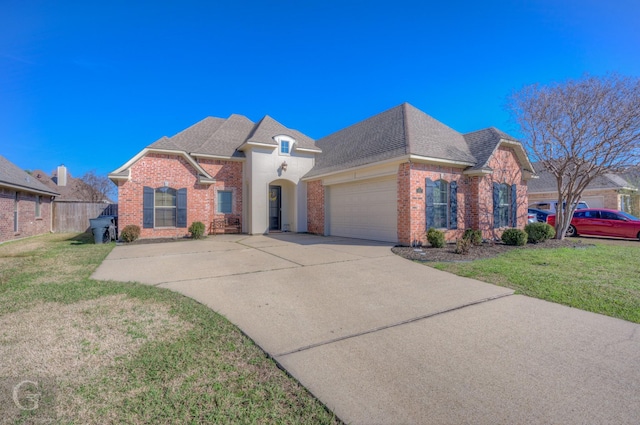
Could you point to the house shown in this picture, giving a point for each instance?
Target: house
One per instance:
(387, 178)
(25, 203)
(77, 201)
(613, 191)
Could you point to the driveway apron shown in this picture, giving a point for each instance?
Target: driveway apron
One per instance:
(380, 339)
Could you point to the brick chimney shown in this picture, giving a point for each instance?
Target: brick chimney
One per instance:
(62, 175)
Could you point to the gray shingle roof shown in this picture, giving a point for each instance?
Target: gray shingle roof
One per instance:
(546, 182)
(11, 174)
(267, 128)
(223, 137)
(403, 130)
(483, 143)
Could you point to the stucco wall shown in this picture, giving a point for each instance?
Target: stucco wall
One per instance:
(266, 169)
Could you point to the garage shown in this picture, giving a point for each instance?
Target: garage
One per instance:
(594, 201)
(364, 210)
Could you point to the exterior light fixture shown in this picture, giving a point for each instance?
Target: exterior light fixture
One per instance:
(419, 190)
(284, 165)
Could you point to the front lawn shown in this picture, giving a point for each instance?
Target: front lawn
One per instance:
(129, 353)
(602, 278)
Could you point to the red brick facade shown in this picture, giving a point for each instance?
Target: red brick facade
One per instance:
(157, 170)
(315, 207)
(474, 196)
(28, 223)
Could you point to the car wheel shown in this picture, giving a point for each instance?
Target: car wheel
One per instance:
(638, 235)
(571, 231)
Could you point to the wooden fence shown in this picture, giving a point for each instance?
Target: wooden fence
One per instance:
(74, 216)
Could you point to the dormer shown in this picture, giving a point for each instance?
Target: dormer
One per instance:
(285, 144)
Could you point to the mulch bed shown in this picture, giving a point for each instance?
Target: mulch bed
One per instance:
(486, 250)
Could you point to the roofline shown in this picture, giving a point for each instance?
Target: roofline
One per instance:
(439, 161)
(515, 144)
(222, 157)
(146, 151)
(399, 160)
(257, 144)
(306, 149)
(27, 189)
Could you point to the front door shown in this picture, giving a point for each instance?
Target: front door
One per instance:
(275, 205)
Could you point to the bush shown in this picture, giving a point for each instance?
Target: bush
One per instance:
(463, 246)
(473, 236)
(435, 238)
(130, 233)
(514, 237)
(196, 229)
(539, 232)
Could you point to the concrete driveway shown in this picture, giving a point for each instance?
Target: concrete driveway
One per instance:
(380, 339)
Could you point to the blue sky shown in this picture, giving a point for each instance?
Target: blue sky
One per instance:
(90, 84)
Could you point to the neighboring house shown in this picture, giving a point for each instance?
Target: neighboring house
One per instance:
(77, 202)
(611, 191)
(71, 189)
(387, 178)
(25, 203)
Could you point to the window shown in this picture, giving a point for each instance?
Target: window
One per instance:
(442, 204)
(285, 144)
(164, 207)
(38, 200)
(625, 203)
(610, 216)
(504, 205)
(15, 212)
(225, 202)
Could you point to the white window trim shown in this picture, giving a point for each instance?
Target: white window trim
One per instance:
(217, 203)
(284, 138)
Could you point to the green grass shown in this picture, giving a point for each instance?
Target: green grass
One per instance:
(149, 355)
(603, 279)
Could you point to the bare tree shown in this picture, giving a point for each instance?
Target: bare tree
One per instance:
(95, 188)
(579, 130)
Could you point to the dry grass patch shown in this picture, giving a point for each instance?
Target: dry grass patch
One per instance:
(77, 340)
(131, 353)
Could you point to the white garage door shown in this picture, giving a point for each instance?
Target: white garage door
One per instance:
(594, 201)
(365, 210)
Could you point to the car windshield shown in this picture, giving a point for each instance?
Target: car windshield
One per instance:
(629, 216)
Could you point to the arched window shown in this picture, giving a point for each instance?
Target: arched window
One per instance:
(504, 205)
(165, 207)
(442, 204)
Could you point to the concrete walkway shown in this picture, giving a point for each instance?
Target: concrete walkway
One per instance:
(380, 339)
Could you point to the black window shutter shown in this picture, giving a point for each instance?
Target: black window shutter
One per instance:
(514, 205)
(453, 205)
(429, 187)
(496, 205)
(181, 205)
(147, 208)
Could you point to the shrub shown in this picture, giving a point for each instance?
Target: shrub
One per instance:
(473, 236)
(196, 229)
(539, 232)
(435, 238)
(463, 246)
(130, 233)
(514, 237)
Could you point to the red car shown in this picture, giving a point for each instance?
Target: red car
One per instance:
(599, 222)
